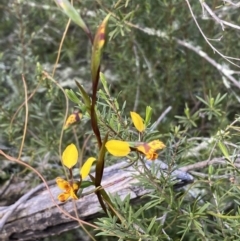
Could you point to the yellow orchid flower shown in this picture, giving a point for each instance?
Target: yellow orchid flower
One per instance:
(137, 121)
(149, 149)
(123, 148)
(69, 159)
(70, 189)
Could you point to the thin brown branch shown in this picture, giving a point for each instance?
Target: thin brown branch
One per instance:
(204, 55)
(206, 163)
(205, 38)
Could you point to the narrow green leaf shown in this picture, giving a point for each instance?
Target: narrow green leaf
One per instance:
(104, 82)
(148, 115)
(218, 215)
(72, 96)
(72, 13)
(85, 184)
(224, 150)
(202, 100)
(151, 224)
(111, 206)
(85, 97)
(203, 208)
(210, 170)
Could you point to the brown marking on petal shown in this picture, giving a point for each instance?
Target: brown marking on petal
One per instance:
(144, 148)
(154, 156)
(151, 155)
(62, 184)
(78, 116)
(100, 36)
(62, 197)
(73, 118)
(101, 29)
(101, 40)
(67, 187)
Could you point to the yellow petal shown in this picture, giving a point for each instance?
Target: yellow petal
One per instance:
(149, 149)
(75, 186)
(73, 194)
(151, 155)
(62, 197)
(137, 121)
(144, 148)
(156, 145)
(118, 148)
(63, 184)
(70, 156)
(87, 167)
(73, 118)
(149, 152)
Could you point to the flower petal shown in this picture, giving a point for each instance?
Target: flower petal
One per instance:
(75, 186)
(149, 152)
(156, 145)
(62, 197)
(70, 156)
(149, 149)
(63, 184)
(137, 121)
(118, 148)
(73, 118)
(87, 167)
(73, 194)
(151, 155)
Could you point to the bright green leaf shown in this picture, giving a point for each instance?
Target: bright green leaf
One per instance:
(85, 96)
(148, 115)
(72, 13)
(224, 150)
(85, 184)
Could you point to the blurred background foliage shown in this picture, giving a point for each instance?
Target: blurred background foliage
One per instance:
(148, 69)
